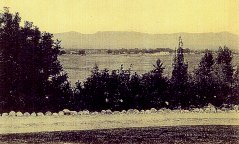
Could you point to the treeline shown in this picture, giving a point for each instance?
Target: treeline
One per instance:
(32, 78)
(213, 82)
(121, 51)
(142, 51)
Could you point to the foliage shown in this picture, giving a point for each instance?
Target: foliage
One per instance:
(28, 60)
(32, 78)
(121, 89)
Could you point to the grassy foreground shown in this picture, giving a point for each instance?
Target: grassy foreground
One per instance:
(165, 134)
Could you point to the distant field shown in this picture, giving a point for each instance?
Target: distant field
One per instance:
(169, 134)
(79, 67)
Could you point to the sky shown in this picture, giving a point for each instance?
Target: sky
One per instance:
(147, 16)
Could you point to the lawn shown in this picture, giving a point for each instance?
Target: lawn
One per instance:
(165, 134)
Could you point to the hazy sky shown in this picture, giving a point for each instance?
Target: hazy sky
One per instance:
(150, 16)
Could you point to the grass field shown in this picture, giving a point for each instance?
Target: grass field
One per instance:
(79, 67)
(166, 134)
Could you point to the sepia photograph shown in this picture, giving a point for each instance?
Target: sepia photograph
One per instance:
(119, 71)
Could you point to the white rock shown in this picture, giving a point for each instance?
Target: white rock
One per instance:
(94, 113)
(160, 111)
(66, 110)
(48, 113)
(167, 111)
(108, 111)
(55, 114)
(85, 112)
(26, 114)
(147, 112)
(19, 114)
(201, 110)
(103, 112)
(40, 114)
(123, 112)
(80, 113)
(224, 109)
(73, 112)
(136, 111)
(4, 114)
(116, 112)
(196, 110)
(176, 111)
(130, 111)
(34, 114)
(236, 107)
(153, 110)
(219, 111)
(60, 113)
(12, 113)
(142, 112)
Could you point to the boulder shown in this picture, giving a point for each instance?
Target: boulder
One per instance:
(123, 112)
(108, 111)
(12, 113)
(4, 114)
(19, 114)
(85, 112)
(130, 111)
(33, 114)
(153, 110)
(48, 113)
(147, 112)
(55, 114)
(103, 112)
(66, 112)
(61, 113)
(185, 111)
(40, 114)
(73, 112)
(26, 114)
(94, 113)
(116, 112)
(142, 112)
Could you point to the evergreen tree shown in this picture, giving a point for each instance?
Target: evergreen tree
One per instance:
(155, 87)
(205, 84)
(223, 74)
(224, 68)
(179, 80)
(180, 68)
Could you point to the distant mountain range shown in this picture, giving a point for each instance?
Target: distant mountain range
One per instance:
(129, 40)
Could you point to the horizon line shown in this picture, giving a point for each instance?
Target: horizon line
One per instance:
(148, 33)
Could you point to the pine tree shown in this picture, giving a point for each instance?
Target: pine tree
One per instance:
(224, 68)
(179, 79)
(180, 68)
(205, 84)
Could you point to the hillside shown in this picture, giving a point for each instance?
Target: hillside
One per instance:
(117, 40)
